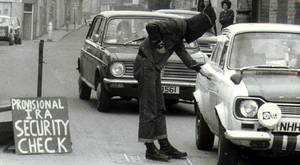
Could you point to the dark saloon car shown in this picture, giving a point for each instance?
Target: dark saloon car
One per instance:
(106, 61)
(10, 30)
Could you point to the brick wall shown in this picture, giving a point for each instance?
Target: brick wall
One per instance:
(264, 10)
(279, 11)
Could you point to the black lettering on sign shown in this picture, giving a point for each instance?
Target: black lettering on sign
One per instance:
(41, 125)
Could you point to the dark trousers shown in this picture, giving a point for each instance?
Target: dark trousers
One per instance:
(152, 122)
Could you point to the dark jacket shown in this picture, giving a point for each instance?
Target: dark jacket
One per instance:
(171, 33)
(226, 18)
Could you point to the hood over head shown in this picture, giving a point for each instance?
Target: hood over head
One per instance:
(197, 26)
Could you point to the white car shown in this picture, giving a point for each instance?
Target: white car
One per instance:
(248, 93)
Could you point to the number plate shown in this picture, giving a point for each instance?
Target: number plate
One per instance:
(170, 89)
(288, 126)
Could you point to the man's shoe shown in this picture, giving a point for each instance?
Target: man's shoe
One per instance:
(156, 155)
(173, 152)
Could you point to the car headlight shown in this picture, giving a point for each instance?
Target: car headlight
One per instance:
(212, 46)
(249, 108)
(117, 69)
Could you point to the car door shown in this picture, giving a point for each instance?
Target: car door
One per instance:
(89, 59)
(205, 86)
(214, 81)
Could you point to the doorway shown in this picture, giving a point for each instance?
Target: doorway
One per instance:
(28, 21)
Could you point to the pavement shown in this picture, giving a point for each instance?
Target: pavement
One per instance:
(59, 34)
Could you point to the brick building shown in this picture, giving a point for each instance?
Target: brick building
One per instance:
(276, 11)
(271, 11)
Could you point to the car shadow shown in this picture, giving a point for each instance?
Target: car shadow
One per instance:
(131, 107)
(4, 43)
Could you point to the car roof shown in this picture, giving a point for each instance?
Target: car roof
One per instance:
(121, 13)
(179, 11)
(261, 27)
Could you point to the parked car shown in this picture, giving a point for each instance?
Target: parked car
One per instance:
(248, 93)
(10, 30)
(207, 41)
(106, 61)
(6, 32)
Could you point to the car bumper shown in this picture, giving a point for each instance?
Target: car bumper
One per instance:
(276, 142)
(247, 135)
(4, 38)
(129, 88)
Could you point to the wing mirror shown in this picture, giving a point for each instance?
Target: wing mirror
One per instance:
(236, 78)
(96, 37)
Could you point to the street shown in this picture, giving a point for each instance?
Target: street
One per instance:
(98, 138)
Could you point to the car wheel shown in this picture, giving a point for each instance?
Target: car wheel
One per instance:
(103, 99)
(11, 42)
(227, 151)
(18, 41)
(204, 137)
(84, 90)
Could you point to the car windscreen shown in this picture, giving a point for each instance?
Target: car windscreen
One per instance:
(122, 30)
(4, 21)
(269, 49)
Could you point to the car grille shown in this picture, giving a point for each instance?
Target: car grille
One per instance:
(172, 71)
(290, 109)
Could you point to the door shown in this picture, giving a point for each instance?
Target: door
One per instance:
(89, 53)
(213, 85)
(28, 22)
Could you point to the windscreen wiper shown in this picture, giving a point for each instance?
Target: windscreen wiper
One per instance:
(134, 40)
(263, 67)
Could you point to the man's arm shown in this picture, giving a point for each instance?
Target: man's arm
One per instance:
(186, 58)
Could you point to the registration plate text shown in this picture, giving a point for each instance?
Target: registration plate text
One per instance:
(170, 89)
(288, 127)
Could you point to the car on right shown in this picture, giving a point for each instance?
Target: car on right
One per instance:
(248, 93)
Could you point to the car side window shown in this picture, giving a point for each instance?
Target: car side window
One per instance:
(101, 28)
(94, 28)
(215, 52)
(223, 56)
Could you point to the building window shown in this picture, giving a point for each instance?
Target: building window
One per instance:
(28, 7)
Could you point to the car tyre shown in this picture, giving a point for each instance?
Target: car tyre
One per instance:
(204, 137)
(103, 99)
(18, 41)
(84, 90)
(11, 42)
(227, 151)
